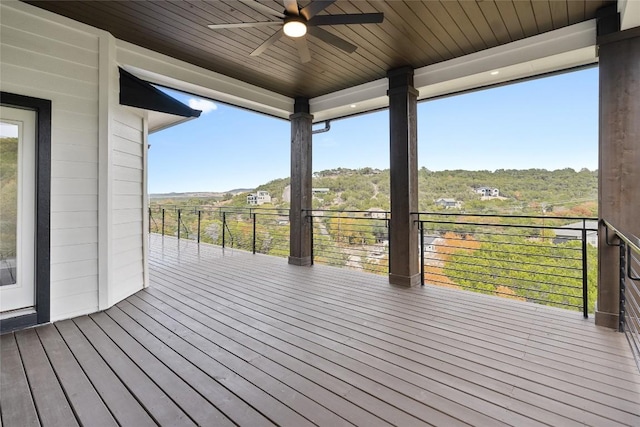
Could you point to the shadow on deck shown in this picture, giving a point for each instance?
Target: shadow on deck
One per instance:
(224, 338)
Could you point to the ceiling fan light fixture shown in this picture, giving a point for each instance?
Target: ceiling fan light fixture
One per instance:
(294, 27)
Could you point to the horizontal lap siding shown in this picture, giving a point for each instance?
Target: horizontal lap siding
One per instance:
(45, 59)
(127, 275)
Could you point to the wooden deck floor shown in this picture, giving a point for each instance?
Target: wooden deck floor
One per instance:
(238, 339)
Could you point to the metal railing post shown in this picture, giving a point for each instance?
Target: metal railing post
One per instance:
(163, 221)
(224, 226)
(199, 215)
(254, 233)
(179, 222)
(623, 296)
(585, 278)
(386, 224)
(421, 253)
(150, 218)
(311, 233)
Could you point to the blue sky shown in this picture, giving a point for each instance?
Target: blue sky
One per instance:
(549, 123)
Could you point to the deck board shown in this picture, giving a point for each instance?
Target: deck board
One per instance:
(191, 363)
(224, 337)
(51, 404)
(420, 363)
(155, 400)
(85, 401)
(205, 325)
(16, 401)
(121, 403)
(189, 400)
(559, 420)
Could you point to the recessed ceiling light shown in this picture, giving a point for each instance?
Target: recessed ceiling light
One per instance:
(495, 73)
(352, 105)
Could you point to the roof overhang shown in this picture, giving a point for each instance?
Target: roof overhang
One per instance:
(629, 14)
(163, 111)
(550, 52)
(158, 121)
(173, 73)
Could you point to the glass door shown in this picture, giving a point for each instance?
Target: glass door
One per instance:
(17, 211)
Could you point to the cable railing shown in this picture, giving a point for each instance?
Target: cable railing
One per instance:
(528, 258)
(256, 230)
(354, 239)
(629, 267)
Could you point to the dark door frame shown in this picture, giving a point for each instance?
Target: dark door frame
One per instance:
(42, 264)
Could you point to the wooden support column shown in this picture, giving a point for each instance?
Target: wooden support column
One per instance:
(619, 156)
(403, 232)
(300, 227)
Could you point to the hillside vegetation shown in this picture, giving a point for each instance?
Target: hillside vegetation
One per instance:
(8, 196)
(564, 192)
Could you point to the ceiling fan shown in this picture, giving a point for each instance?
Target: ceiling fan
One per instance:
(297, 22)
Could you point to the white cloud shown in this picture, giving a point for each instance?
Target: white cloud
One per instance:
(202, 105)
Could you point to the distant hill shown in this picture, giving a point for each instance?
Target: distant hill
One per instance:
(531, 191)
(199, 194)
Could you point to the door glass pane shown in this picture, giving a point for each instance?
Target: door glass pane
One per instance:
(8, 202)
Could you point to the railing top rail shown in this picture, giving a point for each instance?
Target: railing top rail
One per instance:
(344, 211)
(635, 246)
(572, 218)
(545, 227)
(217, 208)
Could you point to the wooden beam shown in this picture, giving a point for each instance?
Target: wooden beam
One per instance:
(300, 228)
(619, 150)
(403, 127)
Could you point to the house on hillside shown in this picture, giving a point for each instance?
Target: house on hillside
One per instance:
(431, 243)
(488, 191)
(319, 190)
(259, 198)
(573, 231)
(449, 203)
(376, 213)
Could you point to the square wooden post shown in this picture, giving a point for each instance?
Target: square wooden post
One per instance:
(403, 126)
(619, 155)
(300, 227)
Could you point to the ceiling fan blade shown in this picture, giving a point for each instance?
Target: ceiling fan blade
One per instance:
(315, 7)
(291, 7)
(271, 40)
(303, 49)
(356, 18)
(244, 25)
(332, 39)
(262, 8)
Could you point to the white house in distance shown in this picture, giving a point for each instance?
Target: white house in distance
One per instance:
(319, 190)
(573, 232)
(259, 198)
(376, 213)
(448, 203)
(488, 191)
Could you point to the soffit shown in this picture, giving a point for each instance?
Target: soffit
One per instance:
(416, 33)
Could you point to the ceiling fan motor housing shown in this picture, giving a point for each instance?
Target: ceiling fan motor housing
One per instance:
(295, 26)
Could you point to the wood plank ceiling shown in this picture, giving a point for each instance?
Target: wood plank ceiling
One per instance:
(416, 33)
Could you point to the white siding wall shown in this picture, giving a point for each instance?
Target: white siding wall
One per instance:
(128, 147)
(47, 56)
(44, 59)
